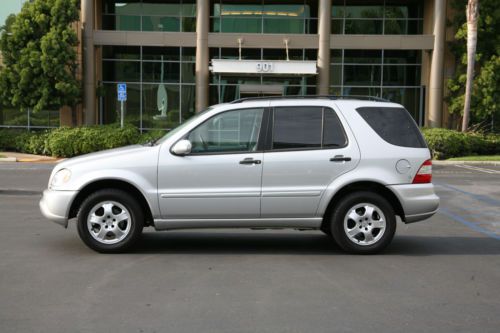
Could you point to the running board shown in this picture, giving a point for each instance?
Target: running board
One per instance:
(265, 223)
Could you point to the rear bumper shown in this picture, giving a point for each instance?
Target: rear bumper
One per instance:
(419, 201)
(55, 205)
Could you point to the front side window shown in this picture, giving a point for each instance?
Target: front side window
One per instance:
(232, 131)
(307, 128)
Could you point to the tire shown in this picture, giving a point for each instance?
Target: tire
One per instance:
(363, 223)
(110, 221)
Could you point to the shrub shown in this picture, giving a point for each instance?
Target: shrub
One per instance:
(446, 143)
(8, 139)
(68, 142)
(151, 135)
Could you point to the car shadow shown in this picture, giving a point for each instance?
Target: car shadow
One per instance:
(295, 243)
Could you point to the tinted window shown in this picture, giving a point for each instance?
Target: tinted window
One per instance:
(394, 125)
(297, 127)
(233, 131)
(333, 133)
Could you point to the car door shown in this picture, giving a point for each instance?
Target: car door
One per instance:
(221, 177)
(307, 149)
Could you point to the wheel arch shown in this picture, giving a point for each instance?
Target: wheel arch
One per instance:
(114, 184)
(363, 186)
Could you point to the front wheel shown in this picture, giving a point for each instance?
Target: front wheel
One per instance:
(110, 221)
(363, 222)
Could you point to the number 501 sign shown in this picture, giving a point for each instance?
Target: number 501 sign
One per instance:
(265, 67)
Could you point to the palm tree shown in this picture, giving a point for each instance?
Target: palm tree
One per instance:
(472, 13)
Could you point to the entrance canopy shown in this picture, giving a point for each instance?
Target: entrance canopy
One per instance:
(271, 67)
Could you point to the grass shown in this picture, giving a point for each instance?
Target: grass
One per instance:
(476, 158)
(2, 156)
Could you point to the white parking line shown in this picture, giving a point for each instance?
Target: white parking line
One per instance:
(475, 168)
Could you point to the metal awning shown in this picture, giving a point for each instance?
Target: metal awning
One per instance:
(271, 67)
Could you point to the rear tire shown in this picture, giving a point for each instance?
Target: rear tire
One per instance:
(110, 221)
(363, 222)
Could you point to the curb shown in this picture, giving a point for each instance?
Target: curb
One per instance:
(8, 159)
(38, 160)
(436, 162)
(8, 191)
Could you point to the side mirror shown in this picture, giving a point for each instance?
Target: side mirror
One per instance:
(182, 148)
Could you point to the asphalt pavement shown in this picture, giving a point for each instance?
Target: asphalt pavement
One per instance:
(441, 275)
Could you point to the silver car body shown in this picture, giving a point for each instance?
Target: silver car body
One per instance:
(290, 189)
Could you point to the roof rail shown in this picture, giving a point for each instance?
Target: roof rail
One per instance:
(330, 97)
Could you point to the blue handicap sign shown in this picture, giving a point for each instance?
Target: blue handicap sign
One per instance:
(122, 92)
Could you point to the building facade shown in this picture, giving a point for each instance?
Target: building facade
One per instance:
(179, 56)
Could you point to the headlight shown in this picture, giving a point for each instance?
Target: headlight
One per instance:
(60, 178)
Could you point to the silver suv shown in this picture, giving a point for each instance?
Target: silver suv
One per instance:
(346, 167)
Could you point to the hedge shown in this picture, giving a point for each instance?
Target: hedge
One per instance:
(446, 143)
(68, 142)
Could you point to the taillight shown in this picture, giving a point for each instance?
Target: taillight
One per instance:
(424, 174)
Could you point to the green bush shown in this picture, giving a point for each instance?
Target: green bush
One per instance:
(151, 135)
(68, 142)
(8, 139)
(446, 143)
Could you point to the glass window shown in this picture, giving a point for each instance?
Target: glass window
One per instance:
(129, 71)
(187, 101)
(335, 75)
(409, 97)
(362, 56)
(112, 110)
(297, 127)
(402, 75)
(161, 23)
(365, 9)
(333, 132)
(161, 53)
(268, 16)
(362, 75)
(402, 56)
(363, 27)
(232, 131)
(393, 125)
(158, 112)
(121, 52)
(152, 71)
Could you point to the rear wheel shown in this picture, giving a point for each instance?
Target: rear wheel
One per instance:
(363, 222)
(110, 221)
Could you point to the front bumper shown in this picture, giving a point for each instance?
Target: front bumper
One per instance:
(55, 205)
(419, 201)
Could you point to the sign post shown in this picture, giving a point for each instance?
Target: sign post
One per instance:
(122, 97)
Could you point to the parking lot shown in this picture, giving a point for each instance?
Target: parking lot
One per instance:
(441, 275)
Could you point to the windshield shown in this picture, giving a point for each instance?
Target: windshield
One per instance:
(181, 126)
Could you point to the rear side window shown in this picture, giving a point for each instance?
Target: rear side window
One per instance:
(307, 127)
(297, 127)
(333, 132)
(394, 125)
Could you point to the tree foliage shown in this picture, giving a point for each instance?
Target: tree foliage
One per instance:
(486, 89)
(40, 56)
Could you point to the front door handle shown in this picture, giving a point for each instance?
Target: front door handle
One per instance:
(340, 158)
(250, 160)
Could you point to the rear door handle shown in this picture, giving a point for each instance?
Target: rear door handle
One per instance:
(340, 158)
(250, 160)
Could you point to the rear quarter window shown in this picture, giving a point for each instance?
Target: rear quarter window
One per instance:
(394, 125)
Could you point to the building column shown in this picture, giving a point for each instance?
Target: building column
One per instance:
(324, 32)
(435, 115)
(202, 53)
(87, 9)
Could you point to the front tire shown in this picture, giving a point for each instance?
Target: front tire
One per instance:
(110, 221)
(363, 223)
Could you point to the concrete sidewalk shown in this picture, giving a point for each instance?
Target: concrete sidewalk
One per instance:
(20, 157)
